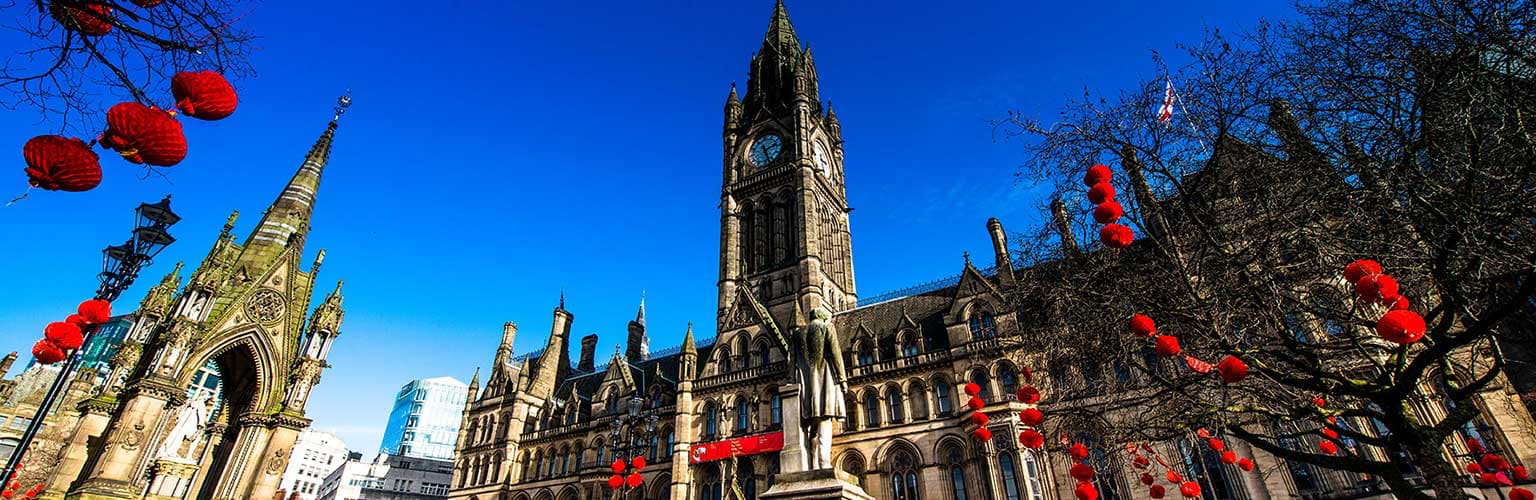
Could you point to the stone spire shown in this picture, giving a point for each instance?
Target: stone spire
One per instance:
(688, 346)
(639, 345)
(499, 370)
(732, 108)
(781, 33)
(474, 387)
(690, 357)
(158, 301)
(286, 221)
(778, 68)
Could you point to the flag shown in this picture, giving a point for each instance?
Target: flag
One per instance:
(1165, 112)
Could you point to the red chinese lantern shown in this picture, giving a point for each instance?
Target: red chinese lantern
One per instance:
(1403, 327)
(1376, 288)
(1031, 417)
(1360, 268)
(1147, 479)
(58, 163)
(1086, 491)
(976, 404)
(1232, 370)
(1078, 451)
(983, 434)
(1520, 473)
(1156, 491)
(1397, 303)
(1174, 477)
(971, 389)
(1318, 400)
(95, 311)
(1487, 478)
(615, 482)
(1190, 489)
(1332, 434)
(1197, 365)
(89, 19)
(46, 352)
(1097, 174)
(639, 463)
(1227, 457)
(1245, 464)
(1141, 462)
(64, 335)
(1167, 346)
(1116, 236)
(142, 134)
(204, 95)
(617, 466)
(1521, 494)
(1028, 395)
(980, 418)
(1108, 212)
(1327, 447)
(77, 320)
(1216, 444)
(1493, 462)
(1100, 193)
(1031, 439)
(1474, 468)
(1082, 472)
(1143, 325)
(1474, 445)
(633, 480)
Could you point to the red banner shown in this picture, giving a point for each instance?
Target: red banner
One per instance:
(738, 447)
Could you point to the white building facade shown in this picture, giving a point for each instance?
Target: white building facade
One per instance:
(315, 455)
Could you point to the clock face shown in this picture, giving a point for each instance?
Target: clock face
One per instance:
(823, 161)
(765, 150)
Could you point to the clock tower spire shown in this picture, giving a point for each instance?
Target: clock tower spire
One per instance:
(784, 211)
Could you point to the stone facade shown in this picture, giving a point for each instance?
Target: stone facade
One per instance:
(537, 429)
(243, 309)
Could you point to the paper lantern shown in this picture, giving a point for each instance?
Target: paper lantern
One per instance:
(77, 320)
(142, 134)
(1398, 303)
(1031, 439)
(1097, 174)
(1487, 479)
(1403, 327)
(1332, 434)
(638, 462)
(1156, 491)
(1519, 473)
(204, 95)
(615, 482)
(1232, 369)
(1100, 193)
(1245, 464)
(1116, 236)
(95, 311)
(1197, 365)
(1333, 420)
(1086, 491)
(1028, 395)
(617, 466)
(1327, 447)
(1360, 268)
(59, 163)
(1108, 212)
(976, 404)
(1031, 417)
(46, 352)
(1143, 325)
(83, 18)
(1190, 489)
(1376, 288)
(1216, 444)
(1174, 477)
(1493, 462)
(979, 418)
(1228, 457)
(64, 335)
(1082, 472)
(1147, 479)
(1140, 462)
(633, 480)
(983, 434)
(1474, 445)
(971, 389)
(1078, 451)
(1474, 468)
(1521, 494)
(1167, 346)
(1318, 400)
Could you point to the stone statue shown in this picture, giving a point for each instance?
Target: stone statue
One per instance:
(189, 421)
(818, 366)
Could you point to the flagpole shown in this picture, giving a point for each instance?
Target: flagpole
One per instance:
(1195, 131)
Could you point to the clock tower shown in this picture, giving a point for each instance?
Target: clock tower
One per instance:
(783, 207)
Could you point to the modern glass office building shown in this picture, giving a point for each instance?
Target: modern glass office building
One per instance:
(425, 420)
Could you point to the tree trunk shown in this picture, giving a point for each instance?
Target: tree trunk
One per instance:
(1439, 472)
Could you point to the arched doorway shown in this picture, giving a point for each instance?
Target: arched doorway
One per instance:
(238, 380)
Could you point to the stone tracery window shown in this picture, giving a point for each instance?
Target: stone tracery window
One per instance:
(904, 484)
(954, 459)
(982, 324)
(872, 409)
(942, 397)
(893, 400)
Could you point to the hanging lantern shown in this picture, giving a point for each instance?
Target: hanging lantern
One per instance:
(1328, 448)
(1100, 193)
(1028, 395)
(1376, 288)
(1216, 444)
(1397, 303)
(1141, 462)
(77, 320)
(1228, 457)
(95, 311)
(1519, 473)
(1097, 174)
(1031, 439)
(976, 404)
(1082, 472)
(46, 352)
(633, 480)
(1245, 464)
(1142, 325)
(1474, 468)
(58, 163)
(1031, 417)
(979, 418)
(617, 466)
(1475, 445)
(1116, 236)
(1521, 494)
(1174, 477)
(971, 389)
(64, 335)
(1108, 212)
(1232, 369)
(147, 3)
(204, 95)
(1330, 433)
(1147, 479)
(1190, 489)
(142, 134)
(89, 19)
(1360, 268)
(1167, 346)
(1086, 491)
(1318, 401)
(1156, 491)
(615, 482)
(1403, 327)
(638, 462)
(1487, 479)
(1493, 462)
(983, 434)
(1078, 451)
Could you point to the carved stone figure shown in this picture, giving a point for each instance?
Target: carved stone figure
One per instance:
(192, 417)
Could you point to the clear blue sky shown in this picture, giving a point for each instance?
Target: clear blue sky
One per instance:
(497, 153)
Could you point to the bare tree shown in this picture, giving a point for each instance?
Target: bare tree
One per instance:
(1392, 130)
(69, 76)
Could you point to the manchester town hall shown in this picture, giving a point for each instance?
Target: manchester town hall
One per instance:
(539, 427)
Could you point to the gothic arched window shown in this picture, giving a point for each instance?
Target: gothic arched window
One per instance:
(780, 232)
(942, 398)
(979, 376)
(955, 460)
(904, 484)
(853, 464)
(746, 478)
(909, 344)
(711, 421)
(1032, 476)
(871, 409)
(866, 353)
(671, 441)
(982, 325)
(893, 401)
(1008, 379)
(918, 398)
(725, 360)
(1009, 476)
(759, 238)
(742, 415)
(777, 409)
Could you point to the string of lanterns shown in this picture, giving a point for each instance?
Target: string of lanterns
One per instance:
(68, 335)
(10, 490)
(619, 479)
(1107, 211)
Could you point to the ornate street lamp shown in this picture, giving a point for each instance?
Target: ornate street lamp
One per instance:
(120, 265)
(629, 435)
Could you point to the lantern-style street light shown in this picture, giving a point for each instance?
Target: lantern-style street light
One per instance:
(629, 435)
(120, 265)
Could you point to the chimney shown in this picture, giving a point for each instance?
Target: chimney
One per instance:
(5, 364)
(588, 350)
(1063, 227)
(1000, 253)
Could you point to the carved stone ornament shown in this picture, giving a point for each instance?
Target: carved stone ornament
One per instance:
(277, 463)
(266, 306)
(134, 437)
(740, 317)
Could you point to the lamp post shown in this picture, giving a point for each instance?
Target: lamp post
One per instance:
(120, 265)
(629, 435)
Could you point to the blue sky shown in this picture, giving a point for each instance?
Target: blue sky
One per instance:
(498, 153)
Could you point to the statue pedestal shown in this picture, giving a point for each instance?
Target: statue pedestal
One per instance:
(824, 484)
(792, 457)
(170, 478)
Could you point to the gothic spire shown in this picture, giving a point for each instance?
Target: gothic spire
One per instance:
(286, 221)
(640, 316)
(780, 32)
(688, 346)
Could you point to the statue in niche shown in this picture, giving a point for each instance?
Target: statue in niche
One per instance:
(180, 442)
